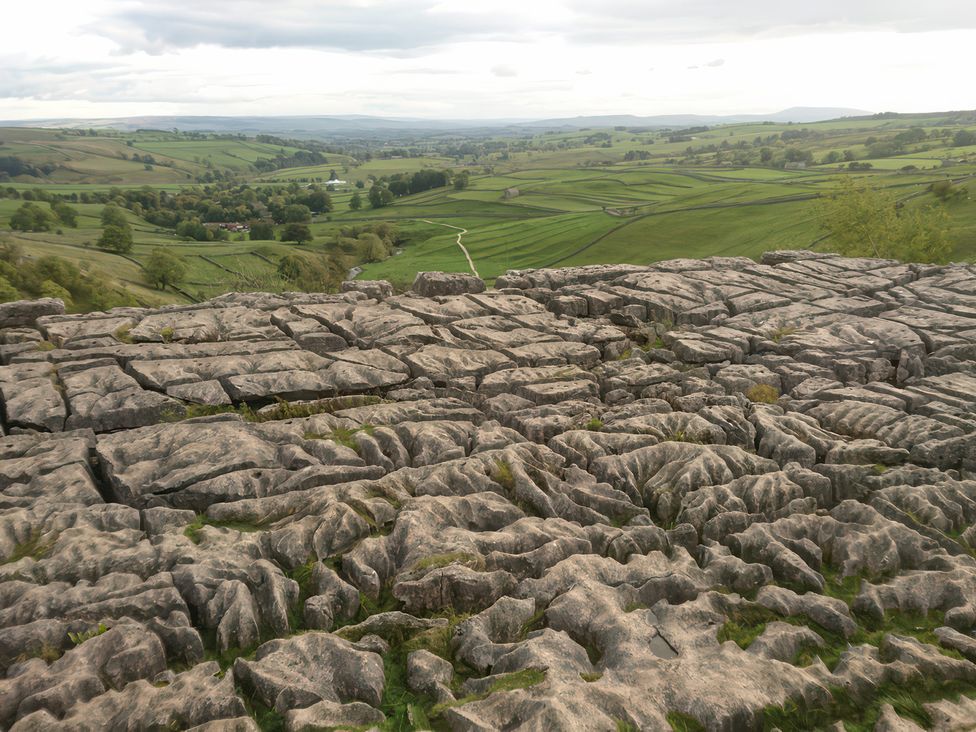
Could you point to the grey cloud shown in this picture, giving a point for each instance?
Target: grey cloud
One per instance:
(393, 25)
(637, 21)
(22, 79)
(402, 26)
(44, 79)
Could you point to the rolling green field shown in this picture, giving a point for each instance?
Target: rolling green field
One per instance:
(563, 218)
(350, 170)
(557, 198)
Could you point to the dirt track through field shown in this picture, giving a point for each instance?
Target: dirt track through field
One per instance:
(461, 232)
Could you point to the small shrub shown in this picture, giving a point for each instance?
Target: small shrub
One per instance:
(122, 333)
(678, 436)
(777, 335)
(503, 474)
(594, 425)
(192, 530)
(166, 334)
(763, 393)
(46, 652)
(591, 677)
(79, 638)
(344, 436)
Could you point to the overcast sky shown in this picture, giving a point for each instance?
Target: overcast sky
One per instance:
(481, 58)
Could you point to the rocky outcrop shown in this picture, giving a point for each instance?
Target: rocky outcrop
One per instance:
(606, 497)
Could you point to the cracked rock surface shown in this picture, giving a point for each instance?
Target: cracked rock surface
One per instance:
(713, 494)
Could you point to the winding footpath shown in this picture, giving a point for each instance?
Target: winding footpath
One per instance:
(461, 232)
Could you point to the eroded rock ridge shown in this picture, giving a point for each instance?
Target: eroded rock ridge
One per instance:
(713, 492)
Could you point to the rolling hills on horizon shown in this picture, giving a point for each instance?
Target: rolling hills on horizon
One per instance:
(346, 124)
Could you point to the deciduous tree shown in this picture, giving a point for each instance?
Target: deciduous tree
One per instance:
(65, 213)
(379, 196)
(116, 238)
(862, 221)
(112, 215)
(297, 213)
(262, 231)
(31, 217)
(298, 233)
(164, 268)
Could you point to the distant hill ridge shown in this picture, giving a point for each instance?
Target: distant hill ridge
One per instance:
(364, 123)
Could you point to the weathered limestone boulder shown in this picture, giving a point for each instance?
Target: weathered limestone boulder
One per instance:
(26, 312)
(373, 289)
(435, 284)
(299, 672)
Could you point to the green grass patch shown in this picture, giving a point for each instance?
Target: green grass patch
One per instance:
(762, 393)
(536, 622)
(266, 718)
(282, 410)
(122, 334)
(748, 621)
(344, 436)
(780, 333)
(302, 574)
(193, 530)
(436, 561)
(36, 547)
(681, 722)
(861, 714)
(225, 659)
(679, 436)
(437, 640)
(46, 652)
(523, 679)
(503, 475)
(843, 588)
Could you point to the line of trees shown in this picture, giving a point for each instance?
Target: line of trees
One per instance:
(384, 190)
(31, 217)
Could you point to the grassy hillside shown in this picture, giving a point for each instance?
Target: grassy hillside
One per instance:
(639, 215)
(547, 199)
